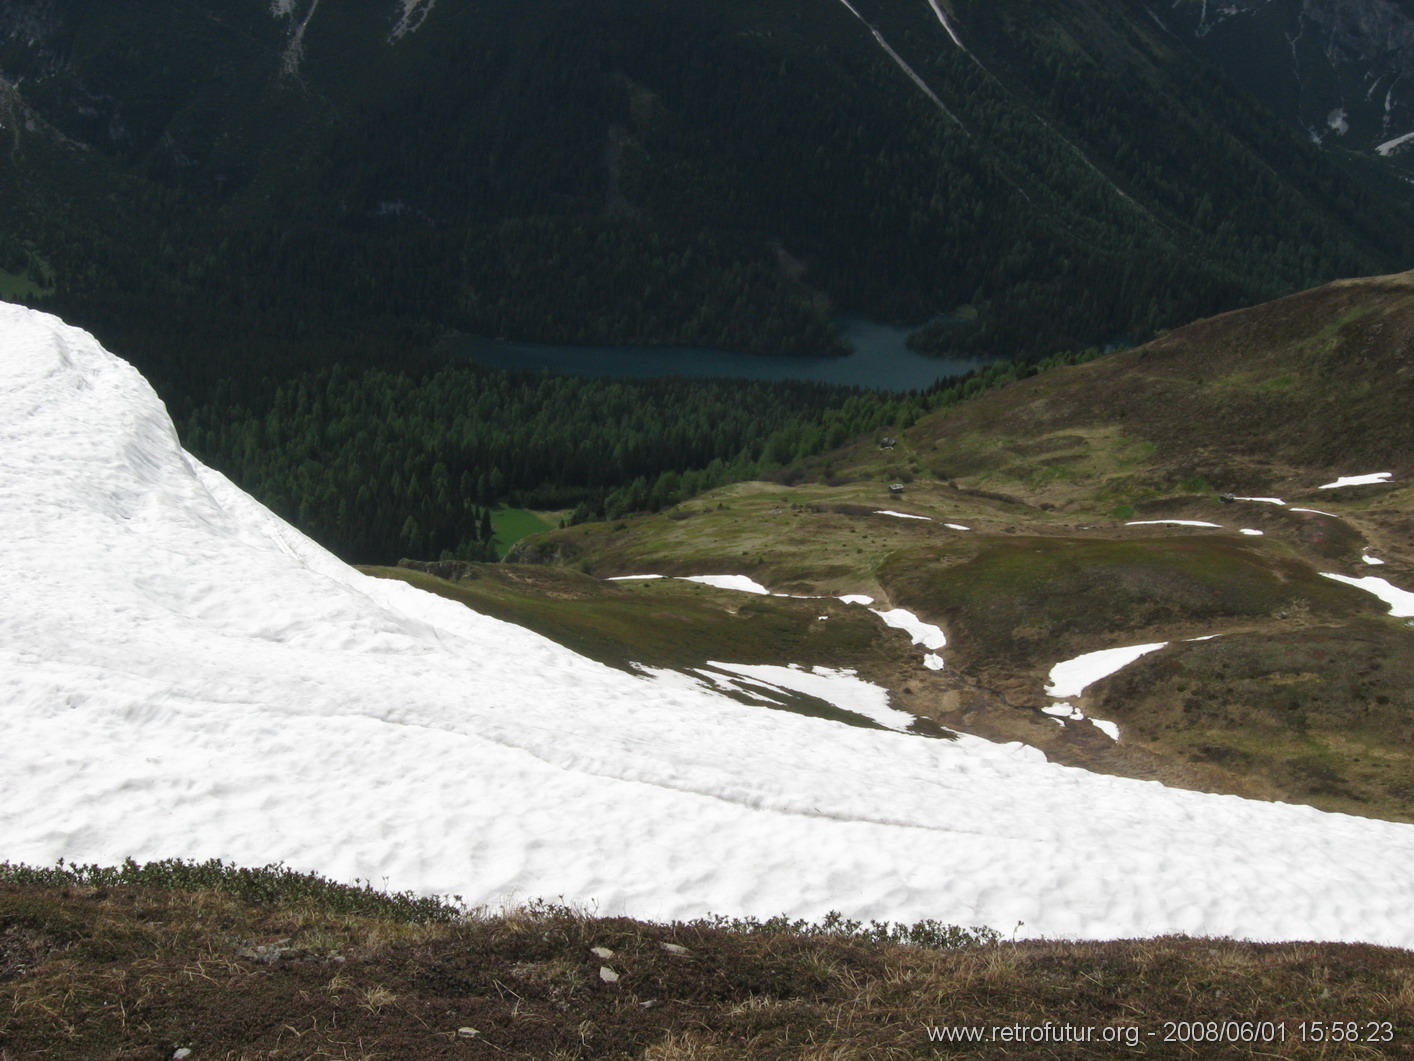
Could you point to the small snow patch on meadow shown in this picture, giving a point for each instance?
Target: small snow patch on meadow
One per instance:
(1109, 729)
(1400, 601)
(1371, 559)
(1250, 531)
(737, 582)
(1066, 712)
(1264, 500)
(925, 634)
(900, 515)
(1170, 523)
(1071, 677)
(1358, 480)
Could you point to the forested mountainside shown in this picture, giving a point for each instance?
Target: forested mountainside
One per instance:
(1340, 69)
(223, 188)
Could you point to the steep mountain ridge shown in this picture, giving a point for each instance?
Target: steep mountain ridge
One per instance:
(721, 174)
(1341, 69)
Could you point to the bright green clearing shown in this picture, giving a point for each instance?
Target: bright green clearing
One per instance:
(18, 285)
(513, 524)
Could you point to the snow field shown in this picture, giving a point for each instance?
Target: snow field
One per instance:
(182, 674)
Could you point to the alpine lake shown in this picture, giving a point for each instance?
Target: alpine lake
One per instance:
(881, 360)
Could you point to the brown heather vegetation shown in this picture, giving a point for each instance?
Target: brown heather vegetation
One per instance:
(127, 972)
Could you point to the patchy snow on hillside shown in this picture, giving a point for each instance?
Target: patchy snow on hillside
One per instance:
(902, 65)
(1390, 146)
(411, 14)
(947, 25)
(900, 515)
(294, 49)
(1067, 712)
(183, 674)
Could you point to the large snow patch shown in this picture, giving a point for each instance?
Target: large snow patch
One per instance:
(182, 674)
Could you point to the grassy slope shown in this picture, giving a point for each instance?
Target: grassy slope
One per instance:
(1047, 472)
(139, 970)
(673, 624)
(513, 524)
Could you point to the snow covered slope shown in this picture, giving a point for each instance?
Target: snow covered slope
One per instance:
(183, 674)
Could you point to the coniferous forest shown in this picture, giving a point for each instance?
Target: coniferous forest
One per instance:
(377, 465)
(278, 219)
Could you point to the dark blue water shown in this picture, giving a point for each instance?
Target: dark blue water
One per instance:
(881, 360)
